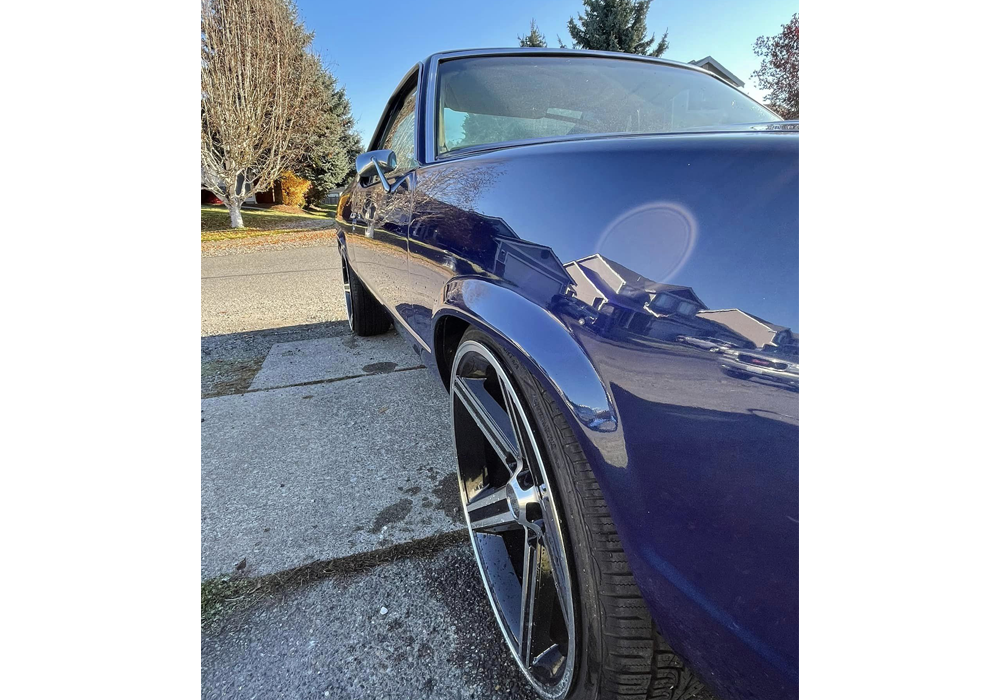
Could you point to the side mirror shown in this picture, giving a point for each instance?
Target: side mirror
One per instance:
(377, 163)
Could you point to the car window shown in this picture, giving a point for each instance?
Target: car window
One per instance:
(401, 135)
(487, 100)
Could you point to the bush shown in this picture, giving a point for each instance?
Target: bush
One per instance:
(293, 189)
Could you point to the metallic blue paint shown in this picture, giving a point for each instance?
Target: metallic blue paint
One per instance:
(586, 257)
(551, 353)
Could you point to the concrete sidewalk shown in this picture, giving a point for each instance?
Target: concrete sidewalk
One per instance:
(329, 495)
(417, 628)
(291, 475)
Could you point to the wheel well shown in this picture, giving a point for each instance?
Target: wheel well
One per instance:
(447, 334)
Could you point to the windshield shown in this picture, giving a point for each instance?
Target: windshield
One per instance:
(510, 98)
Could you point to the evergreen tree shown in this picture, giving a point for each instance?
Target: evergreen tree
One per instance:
(335, 143)
(535, 38)
(350, 139)
(615, 25)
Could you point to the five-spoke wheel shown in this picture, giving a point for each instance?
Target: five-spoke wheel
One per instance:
(513, 519)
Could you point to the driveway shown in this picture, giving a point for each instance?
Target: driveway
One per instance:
(334, 557)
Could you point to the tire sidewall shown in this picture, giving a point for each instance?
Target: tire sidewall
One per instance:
(347, 275)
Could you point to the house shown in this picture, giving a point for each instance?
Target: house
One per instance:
(763, 334)
(624, 299)
(600, 280)
(532, 267)
(713, 66)
(269, 196)
(633, 302)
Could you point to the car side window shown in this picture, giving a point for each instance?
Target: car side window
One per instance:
(401, 135)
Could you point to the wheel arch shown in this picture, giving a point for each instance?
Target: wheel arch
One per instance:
(546, 347)
(449, 327)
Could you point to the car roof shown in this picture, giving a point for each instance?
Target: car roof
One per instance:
(574, 53)
(513, 51)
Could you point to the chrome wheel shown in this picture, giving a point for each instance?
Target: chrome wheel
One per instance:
(513, 520)
(347, 291)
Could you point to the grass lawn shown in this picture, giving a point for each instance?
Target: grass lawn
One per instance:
(259, 222)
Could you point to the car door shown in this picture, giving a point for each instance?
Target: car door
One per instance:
(383, 216)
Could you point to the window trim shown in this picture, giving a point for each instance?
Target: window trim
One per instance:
(381, 143)
(411, 81)
(397, 108)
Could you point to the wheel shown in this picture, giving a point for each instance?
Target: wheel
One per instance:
(550, 558)
(364, 313)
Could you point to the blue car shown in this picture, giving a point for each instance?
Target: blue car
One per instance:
(549, 230)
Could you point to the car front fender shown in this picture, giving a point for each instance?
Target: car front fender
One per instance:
(550, 352)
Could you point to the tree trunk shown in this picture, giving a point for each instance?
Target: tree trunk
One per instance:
(235, 217)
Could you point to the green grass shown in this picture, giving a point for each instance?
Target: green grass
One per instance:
(328, 209)
(256, 221)
(219, 593)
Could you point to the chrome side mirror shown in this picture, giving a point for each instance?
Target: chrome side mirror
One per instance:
(376, 163)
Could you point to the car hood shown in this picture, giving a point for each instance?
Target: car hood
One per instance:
(715, 213)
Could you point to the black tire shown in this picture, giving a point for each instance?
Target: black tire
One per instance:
(620, 653)
(364, 313)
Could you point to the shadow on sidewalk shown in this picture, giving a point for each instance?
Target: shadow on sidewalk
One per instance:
(229, 362)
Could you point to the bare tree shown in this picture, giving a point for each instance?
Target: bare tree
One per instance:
(259, 96)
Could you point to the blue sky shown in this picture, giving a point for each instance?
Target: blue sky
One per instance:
(369, 46)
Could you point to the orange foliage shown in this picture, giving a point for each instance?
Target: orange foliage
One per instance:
(293, 189)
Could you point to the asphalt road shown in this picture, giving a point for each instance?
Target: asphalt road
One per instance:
(270, 289)
(334, 558)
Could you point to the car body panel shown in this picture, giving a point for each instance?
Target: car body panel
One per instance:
(593, 259)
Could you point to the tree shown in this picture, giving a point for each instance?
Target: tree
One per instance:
(350, 140)
(535, 38)
(615, 25)
(335, 144)
(487, 128)
(324, 162)
(354, 147)
(779, 71)
(260, 97)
